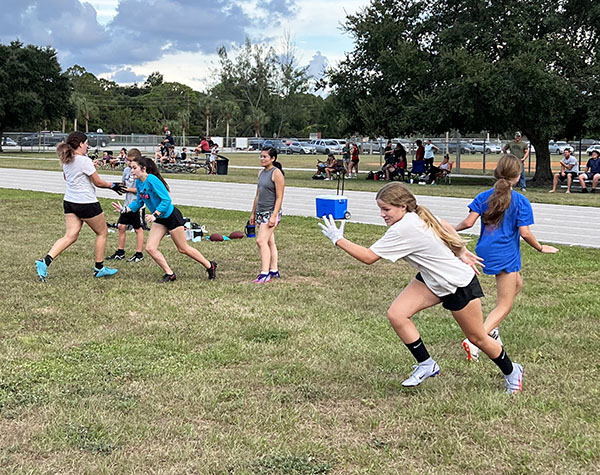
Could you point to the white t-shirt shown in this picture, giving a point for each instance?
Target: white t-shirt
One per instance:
(410, 239)
(80, 188)
(571, 161)
(428, 151)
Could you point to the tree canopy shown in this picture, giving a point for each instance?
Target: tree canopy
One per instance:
(33, 88)
(473, 65)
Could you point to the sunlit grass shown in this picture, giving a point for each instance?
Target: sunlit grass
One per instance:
(302, 375)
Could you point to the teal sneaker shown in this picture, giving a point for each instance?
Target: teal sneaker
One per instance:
(104, 272)
(42, 269)
(427, 369)
(514, 381)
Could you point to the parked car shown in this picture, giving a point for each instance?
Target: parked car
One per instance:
(327, 146)
(595, 147)
(255, 143)
(278, 144)
(465, 147)
(98, 140)
(7, 141)
(559, 147)
(583, 144)
(301, 147)
(44, 139)
(490, 147)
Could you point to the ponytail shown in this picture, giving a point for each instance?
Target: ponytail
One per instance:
(397, 194)
(451, 240)
(151, 168)
(507, 170)
(277, 165)
(66, 150)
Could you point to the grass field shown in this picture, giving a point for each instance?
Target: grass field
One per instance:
(123, 375)
(461, 187)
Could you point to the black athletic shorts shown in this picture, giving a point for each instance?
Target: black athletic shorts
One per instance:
(132, 218)
(174, 220)
(82, 210)
(574, 175)
(463, 295)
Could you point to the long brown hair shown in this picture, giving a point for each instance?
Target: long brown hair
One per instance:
(66, 150)
(396, 194)
(150, 167)
(506, 172)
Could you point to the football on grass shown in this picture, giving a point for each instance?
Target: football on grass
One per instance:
(216, 237)
(236, 235)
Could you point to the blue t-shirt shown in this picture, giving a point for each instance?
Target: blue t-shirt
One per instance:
(500, 246)
(593, 165)
(154, 194)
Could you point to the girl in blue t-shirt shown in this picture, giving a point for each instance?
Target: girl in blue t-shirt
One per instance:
(153, 191)
(506, 217)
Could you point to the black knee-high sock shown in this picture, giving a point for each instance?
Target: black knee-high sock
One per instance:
(504, 363)
(418, 350)
(48, 259)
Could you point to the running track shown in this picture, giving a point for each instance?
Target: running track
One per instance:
(570, 225)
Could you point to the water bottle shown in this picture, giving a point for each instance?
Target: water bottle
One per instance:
(250, 230)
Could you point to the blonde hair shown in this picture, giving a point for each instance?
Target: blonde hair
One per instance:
(66, 150)
(506, 172)
(396, 194)
(134, 153)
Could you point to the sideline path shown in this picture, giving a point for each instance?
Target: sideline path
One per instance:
(570, 225)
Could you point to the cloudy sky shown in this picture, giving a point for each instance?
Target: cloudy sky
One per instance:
(125, 40)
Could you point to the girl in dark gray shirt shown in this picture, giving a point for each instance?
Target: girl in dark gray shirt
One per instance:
(266, 213)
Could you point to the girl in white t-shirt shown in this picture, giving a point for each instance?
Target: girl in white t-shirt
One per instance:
(80, 203)
(447, 275)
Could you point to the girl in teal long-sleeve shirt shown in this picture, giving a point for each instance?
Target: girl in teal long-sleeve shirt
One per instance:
(153, 191)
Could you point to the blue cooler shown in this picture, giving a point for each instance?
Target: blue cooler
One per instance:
(335, 205)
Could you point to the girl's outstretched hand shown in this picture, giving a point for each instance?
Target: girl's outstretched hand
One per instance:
(548, 249)
(472, 260)
(118, 207)
(330, 230)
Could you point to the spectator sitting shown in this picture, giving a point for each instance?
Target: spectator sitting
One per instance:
(122, 156)
(333, 166)
(202, 147)
(569, 170)
(168, 142)
(437, 173)
(108, 159)
(183, 155)
(398, 164)
(158, 154)
(592, 172)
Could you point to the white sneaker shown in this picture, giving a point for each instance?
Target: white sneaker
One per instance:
(514, 381)
(471, 349)
(426, 369)
(495, 334)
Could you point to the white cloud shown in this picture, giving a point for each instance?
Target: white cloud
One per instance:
(125, 39)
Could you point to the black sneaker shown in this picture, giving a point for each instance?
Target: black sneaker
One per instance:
(584, 190)
(136, 258)
(212, 270)
(117, 256)
(593, 190)
(167, 278)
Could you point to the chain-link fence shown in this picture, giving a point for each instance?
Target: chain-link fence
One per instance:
(474, 154)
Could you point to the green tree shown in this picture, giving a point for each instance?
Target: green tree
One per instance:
(290, 82)
(248, 80)
(32, 87)
(473, 65)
